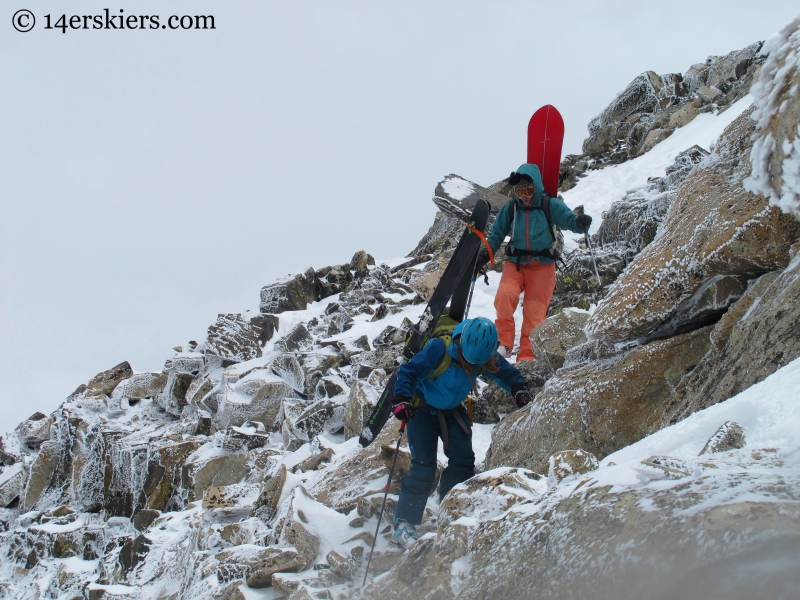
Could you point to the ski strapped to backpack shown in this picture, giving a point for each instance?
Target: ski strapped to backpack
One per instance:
(454, 286)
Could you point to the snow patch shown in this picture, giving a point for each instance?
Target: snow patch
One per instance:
(458, 188)
(600, 189)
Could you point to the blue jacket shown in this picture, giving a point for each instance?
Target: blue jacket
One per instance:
(528, 228)
(449, 389)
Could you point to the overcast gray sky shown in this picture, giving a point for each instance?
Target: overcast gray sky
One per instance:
(154, 178)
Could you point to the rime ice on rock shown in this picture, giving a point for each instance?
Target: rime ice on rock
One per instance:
(775, 155)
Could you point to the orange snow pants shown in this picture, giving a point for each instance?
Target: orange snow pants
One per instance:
(537, 281)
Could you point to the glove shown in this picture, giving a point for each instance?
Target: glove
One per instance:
(402, 409)
(521, 394)
(583, 222)
(482, 260)
(522, 398)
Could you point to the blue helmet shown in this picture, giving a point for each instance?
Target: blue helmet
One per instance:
(478, 340)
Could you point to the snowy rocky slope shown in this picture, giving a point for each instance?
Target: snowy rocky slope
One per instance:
(660, 457)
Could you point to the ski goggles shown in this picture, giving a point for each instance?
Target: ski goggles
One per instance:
(524, 191)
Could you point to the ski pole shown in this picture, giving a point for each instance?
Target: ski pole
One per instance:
(469, 298)
(594, 261)
(385, 496)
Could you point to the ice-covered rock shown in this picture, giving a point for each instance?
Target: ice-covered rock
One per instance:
(757, 336)
(570, 462)
(290, 530)
(775, 156)
(45, 476)
(255, 397)
(140, 386)
(714, 227)
(555, 335)
(12, 480)
(211, 466)
(490, 494)
(234, 339)
(298, 339)
(652, 106)
(729, 436)
(600, 406)
(35, 430)
(103, 384)
(294, 293)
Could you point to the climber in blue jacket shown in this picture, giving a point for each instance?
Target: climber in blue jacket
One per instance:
(430, 389)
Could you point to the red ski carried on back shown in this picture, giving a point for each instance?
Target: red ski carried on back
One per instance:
(545, 136)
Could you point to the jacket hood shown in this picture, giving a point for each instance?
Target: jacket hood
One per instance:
(533, 172)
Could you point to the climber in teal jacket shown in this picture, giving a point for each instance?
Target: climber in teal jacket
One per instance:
(531, 267)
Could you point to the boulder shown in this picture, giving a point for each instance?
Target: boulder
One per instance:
(236, 405)
(44, 471)
(490, 494)
(457, 197)
(601, 543)
(266, 505)
(290, 530)
(361, 473)
(318, 365)
(289, 368)
(293, 438)
(293, 293)
(634, 220)
(729, 436)
(314, 461)
(555, 335)
(332, 280)
(313, 419)
(141, 385)
(359, 405)
(361, 261)
(570, 462)
(441, 239)
(173, 397)
(133, 552)
(714, 227)
(32, 432)
(653, 106)
(230, 592)
(221, 468)
(144, 518)
(297, 340)
(233, 339)
(599, 407)
(256, 564)
(249, 531)
(265, 326)
(239, 497)
(12, 481)
(103, 384)
(163, 471)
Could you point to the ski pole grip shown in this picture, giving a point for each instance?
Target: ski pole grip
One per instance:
(402, 426)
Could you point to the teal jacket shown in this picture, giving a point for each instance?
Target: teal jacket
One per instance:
(528, 228)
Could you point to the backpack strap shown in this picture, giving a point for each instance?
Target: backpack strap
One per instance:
(445, 362)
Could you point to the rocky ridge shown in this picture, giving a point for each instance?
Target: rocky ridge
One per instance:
(236, 467)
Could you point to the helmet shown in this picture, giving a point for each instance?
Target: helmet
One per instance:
(478, 340)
